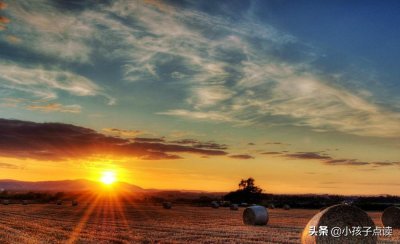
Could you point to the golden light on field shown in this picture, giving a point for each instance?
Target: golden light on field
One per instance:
(108, 177)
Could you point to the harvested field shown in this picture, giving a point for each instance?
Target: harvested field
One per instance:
(115, 222)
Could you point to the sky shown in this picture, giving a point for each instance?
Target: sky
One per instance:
(300, 95)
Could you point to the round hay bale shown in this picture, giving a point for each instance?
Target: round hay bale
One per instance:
(59, 202)
(74, 203)
(286, 207)
(214, 204)
(243, 204)
(6, 202)
(271, 206)
(255, 215)
(225, 204)
(24, 202)
(167, 205)
(339, 217)
(391, 217)
(234, 207)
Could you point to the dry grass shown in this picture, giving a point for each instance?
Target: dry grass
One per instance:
(114, 222)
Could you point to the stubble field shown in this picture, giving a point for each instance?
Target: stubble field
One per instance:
(114, 222)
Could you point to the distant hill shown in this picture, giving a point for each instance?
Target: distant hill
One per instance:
(63, 185)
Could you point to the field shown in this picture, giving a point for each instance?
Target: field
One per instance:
(115, 222)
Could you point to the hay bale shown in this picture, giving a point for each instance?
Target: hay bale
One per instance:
(24, 202)
(391, 217)
(255, 215)
(167, 205)
(339, 216)
(59, 202)
(225, 204)
(214, 204)
(286, 207)
(74, 203)
(234, 207)
(6, 202)
(271, 206)
(243, 204)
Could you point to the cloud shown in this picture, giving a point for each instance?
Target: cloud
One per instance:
(353, 162)
(200, 144)
(11, 102)
(56, 107)
(13, 39)
(8, 166)
(241, 156)
(210, 115)
(152, 140)
(57, 141)
(51, 31)
(307, 155)
(46, 84)
(40, 105)
(4, 20)
(122, 133)
(271, 153)
(329, 160)
(3, 5)
(383, 164)
(208, 96)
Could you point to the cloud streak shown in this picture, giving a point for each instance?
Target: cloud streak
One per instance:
(56, 141)
(241, 156)
(329, 160)
(46, 84)
(55, 107)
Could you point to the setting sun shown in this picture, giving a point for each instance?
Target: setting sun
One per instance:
(108, 177)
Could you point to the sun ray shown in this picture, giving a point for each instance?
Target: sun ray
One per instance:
(83, 221)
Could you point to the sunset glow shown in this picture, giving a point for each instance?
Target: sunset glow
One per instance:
(108, 177)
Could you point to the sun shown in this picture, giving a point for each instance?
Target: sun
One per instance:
(108, 177)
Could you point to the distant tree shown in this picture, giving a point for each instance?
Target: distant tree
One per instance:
(248, 192)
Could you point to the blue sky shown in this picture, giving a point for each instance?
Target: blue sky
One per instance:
(311, 75)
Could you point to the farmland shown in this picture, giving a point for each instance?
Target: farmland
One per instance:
(108, 221)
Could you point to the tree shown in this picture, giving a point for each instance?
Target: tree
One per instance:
(248, 192)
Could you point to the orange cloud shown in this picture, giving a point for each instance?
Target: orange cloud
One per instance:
(4, 20)
(159, 5)
(55, 107)
(3, 5)
(13, 39)
(123, 133)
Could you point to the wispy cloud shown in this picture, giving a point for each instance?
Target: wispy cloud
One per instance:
(45, 84)
(122, 132)
(4, 20)
(55, 107)
(9, 166)
(3, 5)
(308, 155)
(47, 30)
(241, 156)
(197, 115)
(330, 160)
